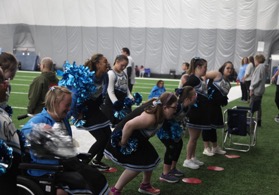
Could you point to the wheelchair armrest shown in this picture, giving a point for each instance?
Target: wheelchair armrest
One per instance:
(242, 108)
(47, 167)
(85, 157)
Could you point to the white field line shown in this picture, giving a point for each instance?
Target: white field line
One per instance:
(17, 84)
(20, 93)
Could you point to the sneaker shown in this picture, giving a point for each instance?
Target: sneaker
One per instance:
(99, 165)
(196, 161)
(169, 178)
(218, 150)
(115, 191)
(148, 189)
(207, 151)
(176, 173)
(276, 119)
(190, 164)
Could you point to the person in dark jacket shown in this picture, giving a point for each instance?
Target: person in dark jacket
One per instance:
(40, 86)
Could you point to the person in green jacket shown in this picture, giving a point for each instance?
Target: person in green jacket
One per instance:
(40, 86)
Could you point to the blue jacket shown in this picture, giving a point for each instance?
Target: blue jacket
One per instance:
(156, 92)
(42, 117)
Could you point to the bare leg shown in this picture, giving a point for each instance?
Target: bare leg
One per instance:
(125, 177)
(166, 169)
(147, 177)
(192, 143)
(61, 192)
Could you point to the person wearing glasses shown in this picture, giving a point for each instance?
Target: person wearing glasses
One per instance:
(171, 134)
(198, 115)
(218, 88)
(130, 146)
(157, 90)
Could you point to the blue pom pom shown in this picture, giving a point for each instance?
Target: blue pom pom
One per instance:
(80, 80)
(138, 98)
(130, 147)
(6, 156)
(128, 102)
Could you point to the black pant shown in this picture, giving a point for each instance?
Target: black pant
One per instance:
(79, 175)
(102, 137)
(173, 150)
(277, 96)
(243, 91)
(209, 135)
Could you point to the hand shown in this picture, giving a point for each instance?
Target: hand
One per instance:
(118, 105)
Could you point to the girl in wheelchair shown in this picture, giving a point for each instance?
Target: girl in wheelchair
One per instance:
(76, 176)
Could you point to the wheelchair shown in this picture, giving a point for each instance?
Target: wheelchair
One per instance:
(42, 185)
(240, 129)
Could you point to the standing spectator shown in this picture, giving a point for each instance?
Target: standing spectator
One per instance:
(137, 70)
(273, 78)
(257, 87)
(117, 90)
(130, 69)
(199, 114)
(40, 86)
(142, 71)
(218, 88)
(248, 75)
(244, 64)
(157, 90)
(130, 146)
(171, 135)
(185, 75)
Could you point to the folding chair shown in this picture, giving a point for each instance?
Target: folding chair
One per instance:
(240, 129)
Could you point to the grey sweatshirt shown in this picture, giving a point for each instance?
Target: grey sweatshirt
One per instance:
(258, 80)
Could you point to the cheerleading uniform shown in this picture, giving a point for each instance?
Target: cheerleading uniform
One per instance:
(217, 95)
(199, 113)
(117, 91)
(170, 135)
(96, 122)
(8, 133)
(144, 156)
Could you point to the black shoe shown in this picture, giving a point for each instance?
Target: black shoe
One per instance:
(99, 165)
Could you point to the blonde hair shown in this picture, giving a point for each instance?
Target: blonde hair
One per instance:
(54, 96)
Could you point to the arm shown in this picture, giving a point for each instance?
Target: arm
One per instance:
(110, 91)
(275, 75)
(136, 124)
(215, 75)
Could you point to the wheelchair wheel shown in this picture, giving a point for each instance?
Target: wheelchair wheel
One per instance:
(26, 186)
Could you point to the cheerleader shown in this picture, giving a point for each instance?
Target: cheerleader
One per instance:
(171, 133)
(117, 90)
(130, 147)
(218, 89)
(198, 115)
(96, 122)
